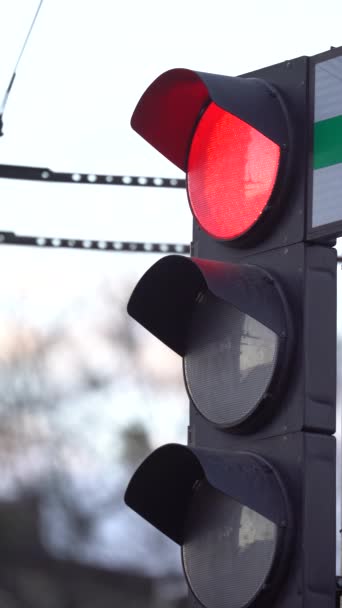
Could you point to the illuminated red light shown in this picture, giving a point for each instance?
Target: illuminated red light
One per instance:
(232, 169)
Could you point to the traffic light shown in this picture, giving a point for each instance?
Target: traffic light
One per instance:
(252, 314)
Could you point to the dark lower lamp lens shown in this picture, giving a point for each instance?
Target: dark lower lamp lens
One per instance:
(229, 549)
(229, 362)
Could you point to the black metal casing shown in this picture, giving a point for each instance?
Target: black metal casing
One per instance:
(305, 571)
(295, 438)
(307, 274)
(168, 112)
(293, 431)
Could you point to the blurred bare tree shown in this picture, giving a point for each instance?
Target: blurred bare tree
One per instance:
(56, 383)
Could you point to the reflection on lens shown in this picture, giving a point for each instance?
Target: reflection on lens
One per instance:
(230, 360)
(232, 169)
(228, 550)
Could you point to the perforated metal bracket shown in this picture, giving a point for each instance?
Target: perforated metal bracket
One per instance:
(11, 238)
(47, 175)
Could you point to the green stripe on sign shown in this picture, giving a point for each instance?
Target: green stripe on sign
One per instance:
(327, 142)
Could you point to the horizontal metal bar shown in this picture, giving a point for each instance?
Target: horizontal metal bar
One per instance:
(11, 238)
(47, 175)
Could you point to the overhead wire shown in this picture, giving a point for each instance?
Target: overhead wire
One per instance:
(8, 90)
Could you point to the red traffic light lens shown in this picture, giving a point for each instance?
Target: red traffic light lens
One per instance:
(231, 173)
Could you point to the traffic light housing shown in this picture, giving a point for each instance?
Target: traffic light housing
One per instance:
(252, 313)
